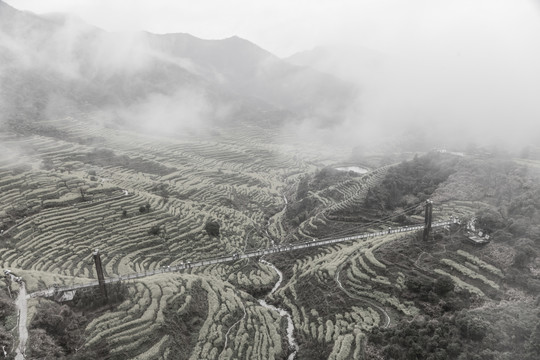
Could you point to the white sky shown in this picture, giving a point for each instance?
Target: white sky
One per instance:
(288, 26)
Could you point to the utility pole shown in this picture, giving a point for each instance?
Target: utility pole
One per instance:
(427, 222)
(99, 271)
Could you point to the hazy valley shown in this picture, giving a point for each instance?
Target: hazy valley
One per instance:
(202, 176)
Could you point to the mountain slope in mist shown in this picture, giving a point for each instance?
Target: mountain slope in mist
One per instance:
(349, 63)
(56, 64)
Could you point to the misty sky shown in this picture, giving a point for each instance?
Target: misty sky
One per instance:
(285, 27)
(474, 64)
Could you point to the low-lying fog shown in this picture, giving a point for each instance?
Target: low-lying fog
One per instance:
(443, 73)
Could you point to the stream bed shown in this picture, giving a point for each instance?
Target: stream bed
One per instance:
(282, 312)
(293, 345)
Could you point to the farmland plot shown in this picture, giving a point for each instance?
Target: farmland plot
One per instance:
(106, 189)
(144, 201)
(83, 197)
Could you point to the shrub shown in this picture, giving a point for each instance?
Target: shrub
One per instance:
(472, 328)
(154, 230)
(6, 308)
(44, 346)
(144, 208)
(6, 339)
(212, 228)
(443, 285)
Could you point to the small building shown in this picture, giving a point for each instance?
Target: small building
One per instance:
(474, 235)
(478, 239)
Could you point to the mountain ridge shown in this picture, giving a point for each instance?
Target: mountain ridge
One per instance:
(61, 56)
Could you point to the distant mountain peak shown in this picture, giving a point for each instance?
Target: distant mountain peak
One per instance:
(6, 7)
(88, 67)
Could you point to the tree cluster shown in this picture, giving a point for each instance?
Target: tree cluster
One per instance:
(511, 215)
(7, 309)
(56, 331)
(92, 298)
(441, 286)
(462, 335)
(445, 338)
(411, 181)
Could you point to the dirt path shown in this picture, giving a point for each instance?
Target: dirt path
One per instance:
(23, 331)
(228, 331)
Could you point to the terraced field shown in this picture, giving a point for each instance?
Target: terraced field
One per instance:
(145, 326)
(143, 201)
(105, 188)
(342, 291)
(332, 300)
(48, 227)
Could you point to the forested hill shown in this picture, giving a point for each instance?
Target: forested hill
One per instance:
(450, 298)
(503, 322)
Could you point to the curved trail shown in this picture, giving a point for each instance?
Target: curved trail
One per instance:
(232, 326)
(365, 300)
(23, 331)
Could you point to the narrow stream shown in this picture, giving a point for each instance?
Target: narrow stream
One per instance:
(282, 312)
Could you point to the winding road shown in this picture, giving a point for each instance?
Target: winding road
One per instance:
(23, 331)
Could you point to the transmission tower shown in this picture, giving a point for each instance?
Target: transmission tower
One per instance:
(99, 271)
(427, 222)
